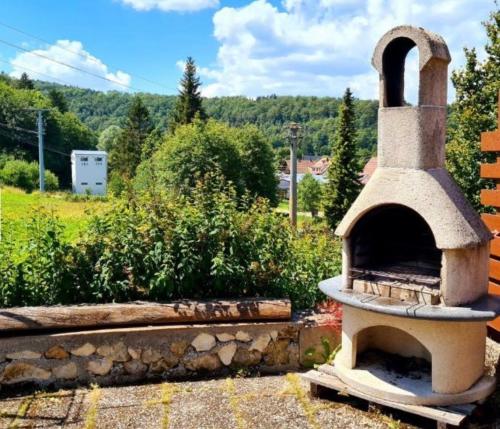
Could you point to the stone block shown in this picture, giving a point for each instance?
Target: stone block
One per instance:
(23, 354)
(135, 367)
(68, 371)
(17, 372)
(56, 352)
(204, 342)
(116, 352)
(205, 362)
(86, 349)
(225, 337)
(100, 366)
(227, 352)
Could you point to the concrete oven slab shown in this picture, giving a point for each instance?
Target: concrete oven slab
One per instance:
(484, 309)
(376, 380)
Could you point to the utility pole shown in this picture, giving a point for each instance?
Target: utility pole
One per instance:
(40, 150)
(293, 134)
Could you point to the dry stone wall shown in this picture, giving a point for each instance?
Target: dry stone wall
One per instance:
(130, 354)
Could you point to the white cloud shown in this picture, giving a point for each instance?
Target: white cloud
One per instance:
(319, 47)
(73, 54)
(171, 5)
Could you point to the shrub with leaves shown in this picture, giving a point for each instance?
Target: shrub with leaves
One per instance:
(161, 246)
(25, 175)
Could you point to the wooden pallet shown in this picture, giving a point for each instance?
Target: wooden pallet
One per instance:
(444, 416)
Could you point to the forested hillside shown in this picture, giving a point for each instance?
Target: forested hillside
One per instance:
(100, 110)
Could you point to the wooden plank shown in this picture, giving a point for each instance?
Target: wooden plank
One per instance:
(490, 197)
(494, 288)
(490, 141)
(143, 313)
(490, 171)
(492, 221)
(495, 247)
(494, 269)
(438, 414)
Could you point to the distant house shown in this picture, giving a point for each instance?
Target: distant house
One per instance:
(368, 170)
(320, 167)
(89, 171)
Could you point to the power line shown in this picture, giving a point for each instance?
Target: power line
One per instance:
(40, 73)
(13, 127)
(87, 57)
(13, 45)
(20, 140)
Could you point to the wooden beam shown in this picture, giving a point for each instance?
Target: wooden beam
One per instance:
(490, 197)
(490, 171)
(492, 221)
(490, 141)
(495, 247)
(495, 269)
(448, 415)
(139, 313)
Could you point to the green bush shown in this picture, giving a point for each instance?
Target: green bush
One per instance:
(159, 246)
(25, 175)
(243, 156)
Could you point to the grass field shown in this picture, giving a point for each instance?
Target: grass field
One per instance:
(17, 207)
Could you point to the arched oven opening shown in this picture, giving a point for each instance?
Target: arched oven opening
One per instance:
(394, 254)
(392, 355)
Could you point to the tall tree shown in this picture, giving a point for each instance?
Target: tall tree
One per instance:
(343, 183)
(58, 100)
(310, 194)
(189, 101)
(25, 82)
(477, 85)
(126, 155)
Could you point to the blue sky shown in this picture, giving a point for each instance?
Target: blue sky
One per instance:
(308, 47)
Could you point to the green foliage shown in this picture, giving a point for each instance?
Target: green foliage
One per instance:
(109, 138)
(189, 103)
(258, 171)
(327, 354)
(126, 155)
(25, 82)
(343, 183)
(242, 155)
(25, 175)
(317, 115)
(159, 246)
(473, 112)
(39, 272)
(63, 131)
(309, 194)
(58, 100)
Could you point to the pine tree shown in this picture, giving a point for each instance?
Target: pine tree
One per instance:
(58, 100)
(25, 82)
(126, 156)
(474, 111)
(343, 183)
(189, 102)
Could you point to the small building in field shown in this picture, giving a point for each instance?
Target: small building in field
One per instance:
(89, 170)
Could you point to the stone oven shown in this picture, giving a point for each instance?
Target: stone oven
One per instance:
(415, 254)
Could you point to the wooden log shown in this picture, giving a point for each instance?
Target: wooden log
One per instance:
(143, 313)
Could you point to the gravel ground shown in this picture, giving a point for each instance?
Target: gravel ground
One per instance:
(273, 402)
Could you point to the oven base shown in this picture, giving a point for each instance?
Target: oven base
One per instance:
(375, 380)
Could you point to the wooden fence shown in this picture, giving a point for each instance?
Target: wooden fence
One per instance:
(490, 142)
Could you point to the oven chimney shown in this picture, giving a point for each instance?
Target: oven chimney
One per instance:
(412, 136)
